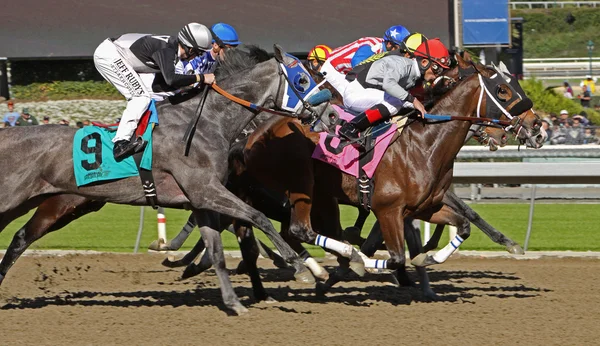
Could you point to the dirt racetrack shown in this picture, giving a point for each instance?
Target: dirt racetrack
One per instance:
(132, 300)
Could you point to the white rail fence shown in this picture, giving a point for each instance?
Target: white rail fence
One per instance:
(560, 68)
(550, 4)
(584, 172)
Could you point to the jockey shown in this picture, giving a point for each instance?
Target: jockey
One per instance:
(141, 66)
(207, 63)
(394, 39)
(340, 60)
(317, 56)
(378, 89)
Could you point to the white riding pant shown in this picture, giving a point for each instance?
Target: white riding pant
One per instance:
(136, 87)
(359, 99)
(335, 78)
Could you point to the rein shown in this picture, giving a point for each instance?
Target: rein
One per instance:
(249, 104)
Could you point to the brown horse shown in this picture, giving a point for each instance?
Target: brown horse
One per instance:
(411, 180)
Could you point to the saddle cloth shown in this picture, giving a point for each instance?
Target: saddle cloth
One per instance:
(346, 158)
(93, 159)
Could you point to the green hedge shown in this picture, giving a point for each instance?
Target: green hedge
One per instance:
(548, 101)
(547, 35)
(63, 90)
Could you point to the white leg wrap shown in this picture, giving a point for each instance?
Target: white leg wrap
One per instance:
(375, 263)
(334, 245)
(442, 255)
(314, 267)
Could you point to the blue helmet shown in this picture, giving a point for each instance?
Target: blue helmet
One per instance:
(226, 33)
(396, 34)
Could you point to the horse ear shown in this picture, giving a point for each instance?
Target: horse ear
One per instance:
(466, 56)
(503, 67)
(279, 53)
(462, 63)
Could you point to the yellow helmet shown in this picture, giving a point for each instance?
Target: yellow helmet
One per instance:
(319, 52)
(413, 41)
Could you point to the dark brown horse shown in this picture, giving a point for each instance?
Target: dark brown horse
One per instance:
(411, 180)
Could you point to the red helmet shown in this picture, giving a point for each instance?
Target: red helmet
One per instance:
(435, 50)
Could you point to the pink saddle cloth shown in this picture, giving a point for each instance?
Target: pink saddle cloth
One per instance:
(346, 160)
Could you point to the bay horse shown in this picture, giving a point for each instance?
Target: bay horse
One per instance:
(279, 212)
(195, 182)
(412, 178)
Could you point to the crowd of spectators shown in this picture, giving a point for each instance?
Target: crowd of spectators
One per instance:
(564, 129)
(25, 118)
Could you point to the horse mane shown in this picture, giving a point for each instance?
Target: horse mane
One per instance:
(240, 59)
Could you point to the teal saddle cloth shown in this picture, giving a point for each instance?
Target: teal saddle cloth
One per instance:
(93, 159)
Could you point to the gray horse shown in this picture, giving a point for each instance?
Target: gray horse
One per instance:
(37, 165)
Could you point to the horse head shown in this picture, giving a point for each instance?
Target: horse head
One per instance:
(501, 96)
(298, 93)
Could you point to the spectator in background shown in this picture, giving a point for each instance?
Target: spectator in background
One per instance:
(10, 118)
(583, 120)
(568, 93)
(86, 123)
(26, 119)
(574, 133)
(589, 82)
(564, 117)
(63, 122)
(547, 126)
(46, 121)
(79, 124)
(558, 133)
(553, 118)
(585, 96)
(589, 137)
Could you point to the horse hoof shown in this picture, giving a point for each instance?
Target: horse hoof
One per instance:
(323, 276)
(429, 295)
(423, 260)
(194, 269)
(515, 249)
(171, 262)
(321, 289)
(270, 300)
(357, 264)
(280, 263)
(305, 277)
(239, 309)
(358, 268)
(159, 245)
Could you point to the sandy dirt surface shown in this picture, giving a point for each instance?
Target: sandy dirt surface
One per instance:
(133, 300)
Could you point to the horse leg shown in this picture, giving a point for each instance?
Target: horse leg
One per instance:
(434, 241)
(208, 222)
(224, 202)
(373, 241)
(305, 276)
(187, 259)
(415, 247)
(51, 215)
(300, 227)
(176, 243)
(496, 236)
(448, 216)
(352, 233)
(249, 249)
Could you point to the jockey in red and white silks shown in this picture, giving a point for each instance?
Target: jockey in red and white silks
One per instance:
(340, 61)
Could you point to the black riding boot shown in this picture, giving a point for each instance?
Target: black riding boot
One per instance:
(362, 121)
(124, 148)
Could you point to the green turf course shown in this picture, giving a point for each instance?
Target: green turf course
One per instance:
(114, 228)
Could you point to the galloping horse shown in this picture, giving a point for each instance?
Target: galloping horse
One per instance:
(412, 178)
(288, 180)
(195, 182)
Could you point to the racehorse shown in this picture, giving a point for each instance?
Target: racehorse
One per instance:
(193, 182)
(287, 179)
(413, 176)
